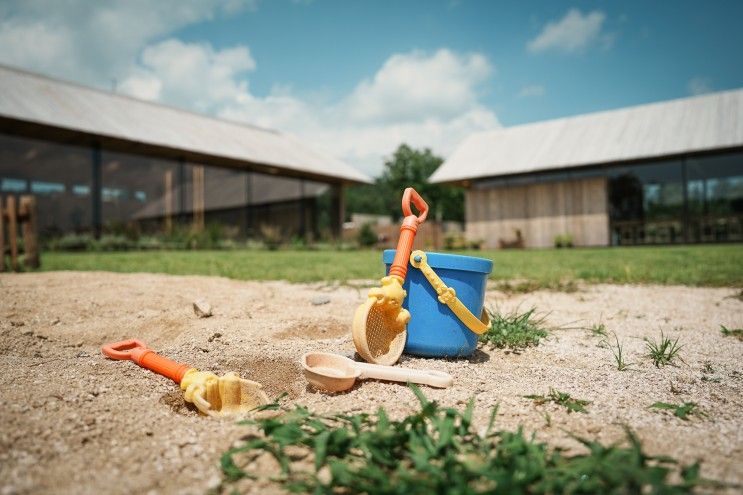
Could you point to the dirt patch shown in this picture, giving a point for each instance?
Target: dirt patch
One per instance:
(315, 330)
(73, 420)
(276, 375)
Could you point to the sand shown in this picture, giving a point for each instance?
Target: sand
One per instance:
(75, 422)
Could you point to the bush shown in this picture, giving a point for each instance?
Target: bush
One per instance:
(271, 236)
(454, 242)
(563, 241)
(71, 242)
(367, 236)
(114, 243)
(457, 242)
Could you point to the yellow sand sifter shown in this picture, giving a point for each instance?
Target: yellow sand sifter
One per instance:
(379, 325)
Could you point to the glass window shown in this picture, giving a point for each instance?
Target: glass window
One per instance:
(58, 175)
(715, 195)
(647, 203)
(137, 192)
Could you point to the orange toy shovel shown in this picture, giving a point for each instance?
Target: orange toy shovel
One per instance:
(213, 395)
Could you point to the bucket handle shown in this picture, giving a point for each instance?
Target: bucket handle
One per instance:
(448, 296)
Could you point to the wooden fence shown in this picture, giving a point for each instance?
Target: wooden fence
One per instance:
(14, 215)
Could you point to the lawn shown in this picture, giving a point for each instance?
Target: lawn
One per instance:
(708, 265)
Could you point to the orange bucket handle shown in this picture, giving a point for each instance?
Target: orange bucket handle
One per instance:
(137, 351)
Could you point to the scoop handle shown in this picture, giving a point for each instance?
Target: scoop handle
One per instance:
(426, 377)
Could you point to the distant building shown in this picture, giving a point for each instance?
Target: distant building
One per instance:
(102, 162)
(663, 173)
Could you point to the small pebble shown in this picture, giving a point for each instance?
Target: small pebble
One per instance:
(202, 308)
(320, 300)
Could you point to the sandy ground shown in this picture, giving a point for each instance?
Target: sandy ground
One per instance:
(75, 422)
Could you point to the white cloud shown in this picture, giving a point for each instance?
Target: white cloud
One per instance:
(415, 86)
(573, 33)
(699, 86)
(425, 100)
(94, 42)
(531, 90)
(191, 74)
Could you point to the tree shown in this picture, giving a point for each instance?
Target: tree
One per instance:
(407, 167)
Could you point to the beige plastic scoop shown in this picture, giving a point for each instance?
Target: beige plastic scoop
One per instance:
(336, 373)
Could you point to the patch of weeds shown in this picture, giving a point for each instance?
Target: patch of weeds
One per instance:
(598, 330)
(618, 353)
(732, 332)
(518, 286)
(663, 352)
(561, 398)
(527, 286)
(682, 411)
(440, 450)
(514, 330)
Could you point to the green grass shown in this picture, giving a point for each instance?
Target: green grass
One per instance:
(598, 330)
(710, 265)
(663, 352)
(731, 332)
(514, 330)
(439, 450)
(617, 351)
(562, 399)
(682, 411)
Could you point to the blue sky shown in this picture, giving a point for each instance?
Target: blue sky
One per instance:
(356, 78)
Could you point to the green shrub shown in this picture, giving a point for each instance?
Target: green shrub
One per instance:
(367, 237)
(114, 243)
(72, 242)
(272, 237)
(564, 241)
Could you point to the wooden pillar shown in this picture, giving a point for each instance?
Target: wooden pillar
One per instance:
(168, 200)
(338, 210)
(27, 211)
(96, 197)
(302, 213)
(2, 237)
(198, 198)
(248, 213)
(182, 184)
(12, 232)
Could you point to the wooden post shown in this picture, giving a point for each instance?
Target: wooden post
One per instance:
(27, 213)
(168, 199)
(2, 237)
(198, 198)
(12, 232)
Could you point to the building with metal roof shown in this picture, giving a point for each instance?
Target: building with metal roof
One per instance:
(99, 161)
(662, 173)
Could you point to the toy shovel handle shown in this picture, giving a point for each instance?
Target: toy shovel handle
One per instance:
(408, 229)
(426, 377)
(137, 351)
(411, 196)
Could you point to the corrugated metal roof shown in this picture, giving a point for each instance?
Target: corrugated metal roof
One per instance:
(33, 98)
(700, 123)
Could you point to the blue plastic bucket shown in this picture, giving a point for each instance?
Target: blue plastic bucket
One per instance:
(434, 331)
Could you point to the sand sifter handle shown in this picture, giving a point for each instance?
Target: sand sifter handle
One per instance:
(408, 229)
(137, 351)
